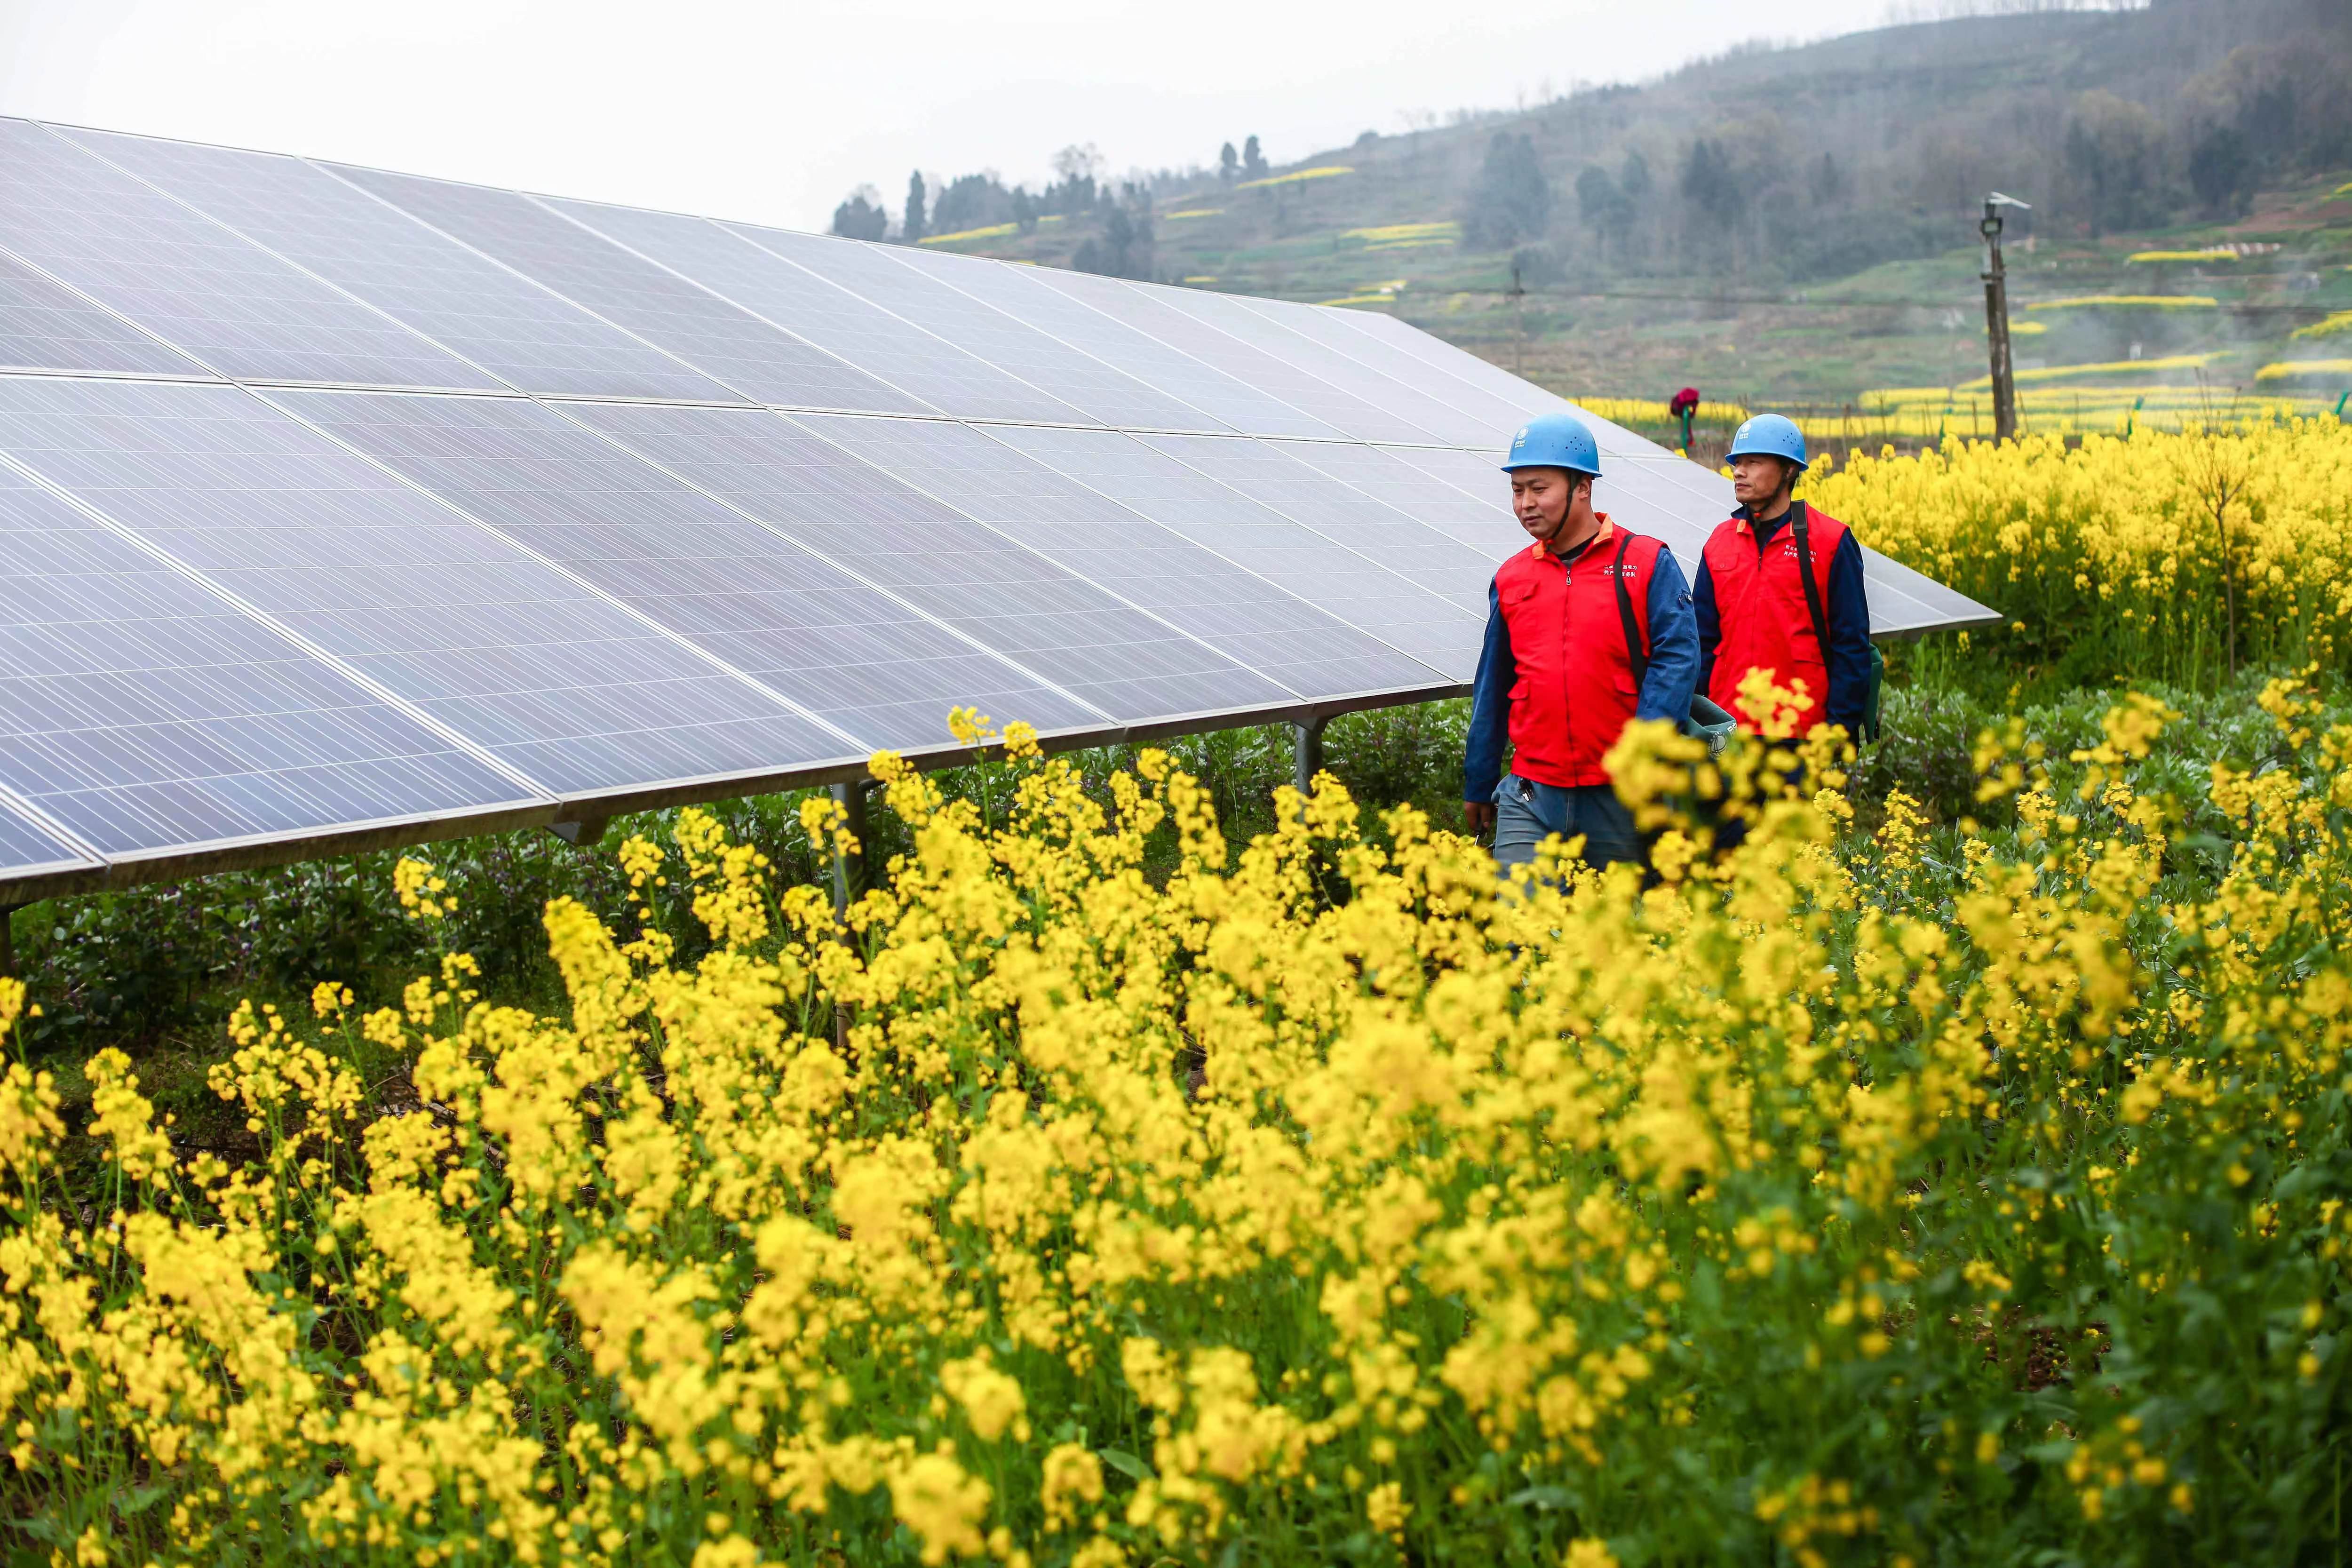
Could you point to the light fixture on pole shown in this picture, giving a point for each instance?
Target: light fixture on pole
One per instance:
(1995, 282)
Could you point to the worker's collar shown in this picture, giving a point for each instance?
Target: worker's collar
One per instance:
(1539, 549)
(1746, 517)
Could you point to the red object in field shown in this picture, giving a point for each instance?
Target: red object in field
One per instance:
(1686, 402)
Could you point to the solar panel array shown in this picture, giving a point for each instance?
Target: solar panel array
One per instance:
(344, 508)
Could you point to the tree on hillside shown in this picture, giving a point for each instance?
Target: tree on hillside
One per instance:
(1253, 163)
(971, 201)
(2113, 153)
(1602, 209)
(913, 227)
(2222, 171)
(1025, 209)
(1634, 179)
(862, 215)
(1124, 248)
(1828, 183)
(1228, 163)
(1715, 199)
(1511, 202)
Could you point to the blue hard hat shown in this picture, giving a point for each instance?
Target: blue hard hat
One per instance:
(1769, 435)
(1555, 441)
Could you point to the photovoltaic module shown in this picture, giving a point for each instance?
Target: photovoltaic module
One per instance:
(342, 509)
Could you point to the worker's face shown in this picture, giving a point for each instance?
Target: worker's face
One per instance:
(1757, 479)
(1542, 498)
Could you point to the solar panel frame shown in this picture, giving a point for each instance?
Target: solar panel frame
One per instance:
(922, 371)
(1167, 510)
(1260, 624)
(87, 338)
(1483, 524)
(1476, 416)
(1224, 401)
(747, 596)
(1422, 624)
(148, 714)
(39, 860)
(470, 630)
(1125, 663)
(1462, 366)
(518, 333)
(753, 359)
(215, 296)
(1321, 408)
(1274, 332)
(1096, 393)
(1271, 475)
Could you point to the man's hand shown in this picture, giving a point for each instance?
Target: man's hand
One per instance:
(1478, 816)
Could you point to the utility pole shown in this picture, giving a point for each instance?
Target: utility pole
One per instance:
(1995, 282)
(1518, 295)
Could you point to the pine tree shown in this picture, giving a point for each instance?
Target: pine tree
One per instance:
(914, 226)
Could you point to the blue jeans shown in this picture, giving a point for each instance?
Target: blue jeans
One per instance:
(1526, 812)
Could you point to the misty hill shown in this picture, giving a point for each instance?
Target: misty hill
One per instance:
(1794, 222)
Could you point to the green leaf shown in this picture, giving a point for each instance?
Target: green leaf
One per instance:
(1125, 1463)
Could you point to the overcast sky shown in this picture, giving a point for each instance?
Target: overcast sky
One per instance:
(773, 112)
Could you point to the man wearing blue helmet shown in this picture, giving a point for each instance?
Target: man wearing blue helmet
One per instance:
(1780, 589)
(1587, 628)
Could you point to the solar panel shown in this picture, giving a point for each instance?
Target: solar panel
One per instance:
(146, 712)
(28, 850)
(1411, 414)
(507, 325)
(1462, 367)
(1471, 415)
(1225, 402)
(1408, 617)
(557, 680)
(1321, 408)
(1481, 521)
(531, 509)
(1458, 363)
(872, 666)
(1097, 391)
(1347, 517)
(45, 327)
(752, 359)
(1312, 654)
(185, 279)
(915, 371)
(1122, 660)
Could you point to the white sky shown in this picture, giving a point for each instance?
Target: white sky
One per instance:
(773, 112)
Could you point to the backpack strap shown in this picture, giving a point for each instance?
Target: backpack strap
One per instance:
(1812, 589)
(1637, 651)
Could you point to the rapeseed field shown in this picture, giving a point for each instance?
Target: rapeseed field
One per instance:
(2173, 555)
(1838, 1198)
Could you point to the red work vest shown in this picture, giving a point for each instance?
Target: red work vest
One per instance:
(1761, 614)
(1575, 690)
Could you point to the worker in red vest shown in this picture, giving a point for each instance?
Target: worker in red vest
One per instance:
(1780, 588)
(1586, 628)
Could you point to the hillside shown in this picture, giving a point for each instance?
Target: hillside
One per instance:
(1798, 225)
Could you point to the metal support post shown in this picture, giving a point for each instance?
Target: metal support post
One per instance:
(849, 870)
(8, 939)
(584, 834)
(1517, 295)
(1995, 282)
(1309, 736)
